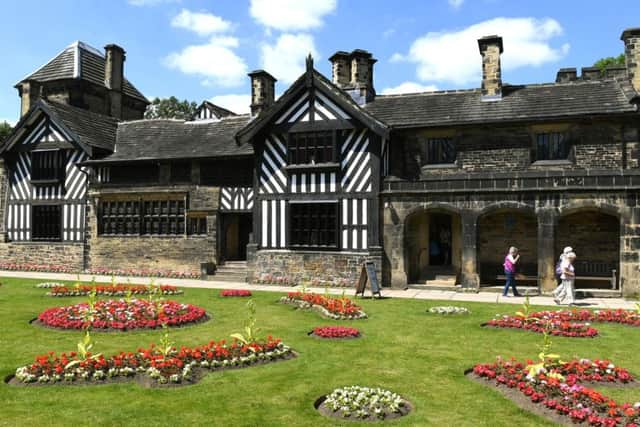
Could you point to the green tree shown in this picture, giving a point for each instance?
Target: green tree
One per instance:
(170, 108)
(603, 63)
(5, 130)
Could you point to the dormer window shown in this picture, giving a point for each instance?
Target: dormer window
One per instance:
(552, 146)
(47, 166)
(310, 148)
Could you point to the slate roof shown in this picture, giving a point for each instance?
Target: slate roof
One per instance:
(80, 61)
(89, 130)
(519, 103)
(158, 139)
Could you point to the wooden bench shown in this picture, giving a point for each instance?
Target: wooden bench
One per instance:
(586, 271)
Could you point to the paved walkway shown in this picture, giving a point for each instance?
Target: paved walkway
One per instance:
(487, 297)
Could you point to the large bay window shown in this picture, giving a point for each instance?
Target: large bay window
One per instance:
(314, 225)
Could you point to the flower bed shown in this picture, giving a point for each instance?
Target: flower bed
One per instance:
(272, 279)
(121, 315)
(447, 310)
(118, 290)
(145, 273)
(333, 308)
(49, 285)
(558, 391)
(150, 366)
(43, 268)
(363, 404)
(235, 293)
(557, 327)
(335, 332)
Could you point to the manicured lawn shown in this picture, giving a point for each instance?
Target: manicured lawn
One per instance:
(418, 355)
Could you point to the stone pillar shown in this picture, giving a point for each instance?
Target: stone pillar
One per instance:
(490, 49)
(629, 272)
(114, 77)
(30, 92)
(469, 278)
(547, 220)
(393, 241)
(340, 68)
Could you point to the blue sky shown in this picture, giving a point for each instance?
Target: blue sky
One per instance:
(198, 49)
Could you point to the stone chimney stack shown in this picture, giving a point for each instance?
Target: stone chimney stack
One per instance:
(491, 49)
(566, 75)
(362, 76)
(341, 68)
(30, 91)
(631, 39)
(114, 77)
(353, 73)
(263, 91)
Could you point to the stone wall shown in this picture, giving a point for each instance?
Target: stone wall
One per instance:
(68, 255)
(598, 145)
(327, 268)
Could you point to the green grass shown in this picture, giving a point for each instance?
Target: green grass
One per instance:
(404, 349)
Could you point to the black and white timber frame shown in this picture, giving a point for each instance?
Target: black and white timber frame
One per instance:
(351, 180)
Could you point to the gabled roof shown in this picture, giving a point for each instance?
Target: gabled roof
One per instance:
(162, 139)
(217, 111)
(519, 103)
(89, 130)
(312, 78)
(83, 62)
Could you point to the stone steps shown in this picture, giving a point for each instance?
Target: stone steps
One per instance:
(231, 271)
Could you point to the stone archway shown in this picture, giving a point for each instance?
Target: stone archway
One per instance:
(499, 229)
(594, 234)
(432, 245)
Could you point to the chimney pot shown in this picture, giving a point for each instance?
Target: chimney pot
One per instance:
(340, 68)
(262, 91)
(566, 75)
(490, 49)
(631, 39)
(30, 91)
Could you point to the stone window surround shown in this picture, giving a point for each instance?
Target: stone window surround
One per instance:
(565, 128)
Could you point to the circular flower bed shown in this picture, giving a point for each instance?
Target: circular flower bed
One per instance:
(121, 315)
(235, 293)
(363, 404)
(335, 332)
(446, 310)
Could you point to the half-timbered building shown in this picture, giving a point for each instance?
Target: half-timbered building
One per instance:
(432, 187)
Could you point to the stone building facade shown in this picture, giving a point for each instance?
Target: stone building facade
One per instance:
(432, 187)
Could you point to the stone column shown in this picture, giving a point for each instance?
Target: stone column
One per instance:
(547, 220)
(393, 245)
(628, 275)
(469, 278)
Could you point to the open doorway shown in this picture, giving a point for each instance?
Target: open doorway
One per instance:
(440, 240)
(235, 231)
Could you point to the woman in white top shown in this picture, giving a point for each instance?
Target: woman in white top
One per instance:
(568, 277)
(558, 291)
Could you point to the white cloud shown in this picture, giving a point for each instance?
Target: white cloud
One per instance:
(150, 2)
(454, 57)
(238, 103)
(201, 23)
(455, 3)
(216, 61)
(408, 87)
(291, 15)
(286, 58)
